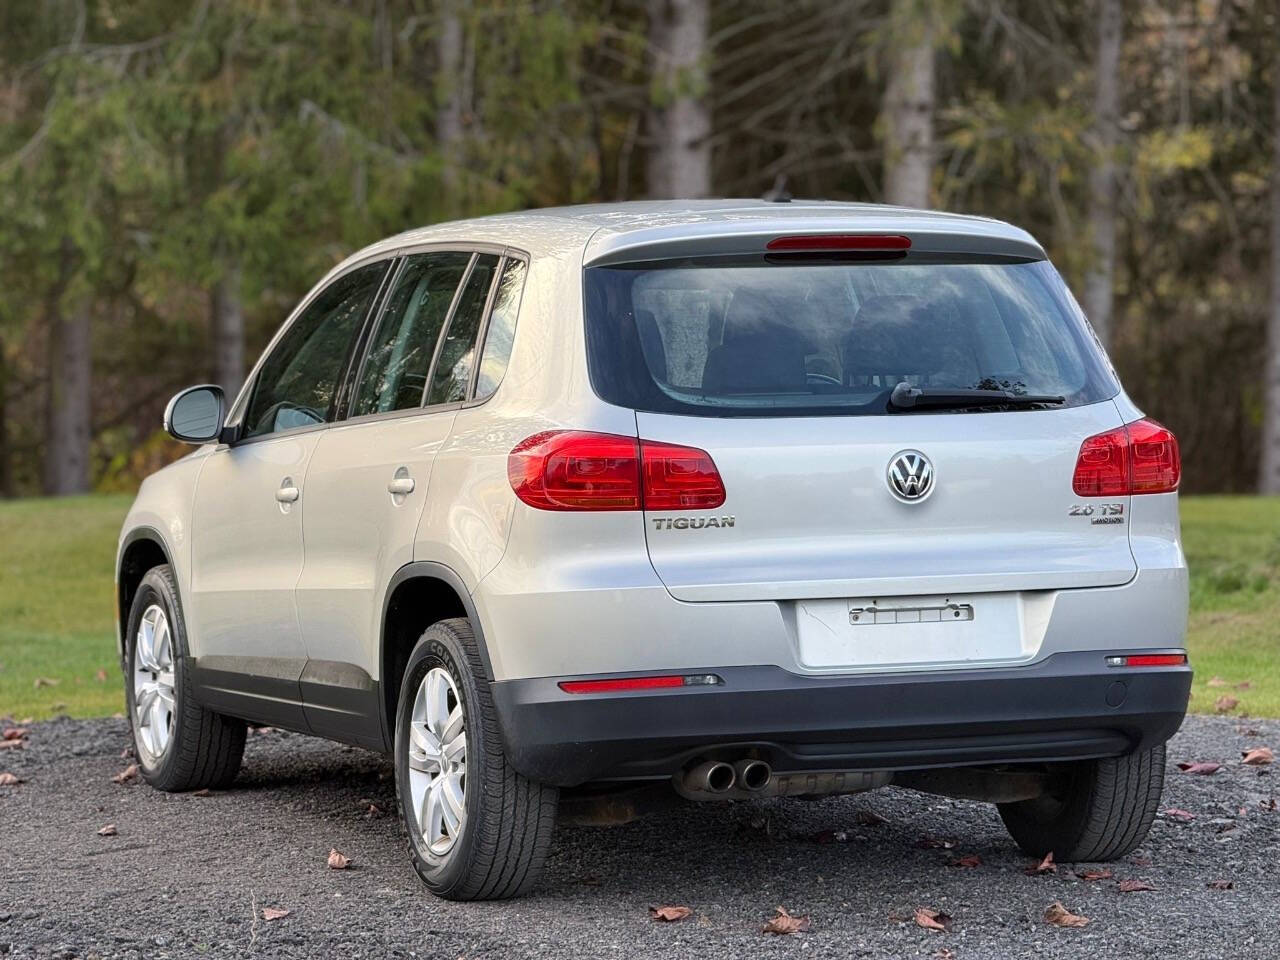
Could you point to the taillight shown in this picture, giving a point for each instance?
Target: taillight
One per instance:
(834, 242)
(1140, 457)
(575, 470)
(624, 684)
(1149, 660)
(679, 478)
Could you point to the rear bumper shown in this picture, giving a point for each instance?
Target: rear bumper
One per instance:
(1065, 707)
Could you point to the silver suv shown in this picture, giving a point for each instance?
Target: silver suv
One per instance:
(752, 499)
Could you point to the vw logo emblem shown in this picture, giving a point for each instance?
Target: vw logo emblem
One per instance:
(910, 476)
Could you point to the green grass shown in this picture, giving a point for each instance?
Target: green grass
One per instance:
(56, 608)
(56, 619)
(1233, 549)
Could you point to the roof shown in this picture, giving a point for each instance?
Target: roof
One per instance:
(604, 232)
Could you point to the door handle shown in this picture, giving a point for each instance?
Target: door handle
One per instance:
(400, 486)
(287, 493)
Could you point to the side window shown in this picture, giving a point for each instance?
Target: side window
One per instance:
(297, 383)
(501, 330)
(399, 359)
(457, 353)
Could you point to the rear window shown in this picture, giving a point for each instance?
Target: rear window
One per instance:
(792, 339)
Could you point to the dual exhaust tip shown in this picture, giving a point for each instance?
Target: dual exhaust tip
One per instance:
(716, 776)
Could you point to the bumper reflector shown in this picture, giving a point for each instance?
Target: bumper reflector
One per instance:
(621, 684)
(1149, 660)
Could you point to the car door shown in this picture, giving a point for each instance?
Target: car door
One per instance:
(370, 476)
(246, 535)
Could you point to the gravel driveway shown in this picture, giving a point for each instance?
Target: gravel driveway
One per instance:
(190, 875)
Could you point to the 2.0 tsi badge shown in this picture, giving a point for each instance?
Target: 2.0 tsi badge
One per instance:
(910, 476)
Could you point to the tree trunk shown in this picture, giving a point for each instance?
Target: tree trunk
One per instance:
(679, 162)
(68, 410)
(909, 99)
(449, 109)
(227, 315)
(1099, 283)
(1269, 479)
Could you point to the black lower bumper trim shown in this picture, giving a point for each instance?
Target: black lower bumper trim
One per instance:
(1067, 706)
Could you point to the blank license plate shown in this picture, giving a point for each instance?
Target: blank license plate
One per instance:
(910, 631)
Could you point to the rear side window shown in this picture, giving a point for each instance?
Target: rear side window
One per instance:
(400, 351)
(501, 331)
(453, 366)
(299, 379)
(791, 339)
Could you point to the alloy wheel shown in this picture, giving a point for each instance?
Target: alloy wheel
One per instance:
(438, 761)
(153, 684)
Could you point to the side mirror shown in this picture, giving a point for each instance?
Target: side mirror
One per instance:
(195, 414)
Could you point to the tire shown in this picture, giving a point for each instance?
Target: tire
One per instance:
(1102, 810)
(202, 749)
(501, 843)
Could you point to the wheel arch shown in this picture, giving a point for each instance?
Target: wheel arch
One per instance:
(142, 549)
(419, 594)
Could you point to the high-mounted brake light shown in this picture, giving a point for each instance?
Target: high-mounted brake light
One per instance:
(576, 470)
(1149, 660)
(1139, 457)
(820, 243)
(622, 684)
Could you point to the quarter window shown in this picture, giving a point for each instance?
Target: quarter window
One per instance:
(399, 359)
(457, 354)
(298, 381)
(501, 331)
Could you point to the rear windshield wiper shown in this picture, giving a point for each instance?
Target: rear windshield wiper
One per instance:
(907, 397)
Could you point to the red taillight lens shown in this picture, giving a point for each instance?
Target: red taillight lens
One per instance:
(574, 470)
(819, 242)
(1149, 660)
(679, 478)
(1140, 457)
(621, 684)
(571, 470)
(1154, 461)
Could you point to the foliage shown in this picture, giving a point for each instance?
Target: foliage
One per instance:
(149, 149)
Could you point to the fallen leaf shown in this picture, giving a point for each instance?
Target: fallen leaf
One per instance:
(931, 919)
(127, 753)
(1243, 685)
(1225, 704)
(10, 744)
(669, 914)
(202, 792)
(337, 861)
(274, 913)
(830, 836)
(1268, 804)
(785, 923)
(1182, 816)
(1203, 769)
(934, 843)
(373, 811)
(1259, 757)
(1091, 875)
(46, 682)
(868, 818)
(1060, 916)
(8, 779)
(1044, 866)
(108, 831)
(1133, 886)
(968, 862)
(102, 676)
(1221, 885)
(946, 953)
(1216, 682)
(15, 733)
(127, 774)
